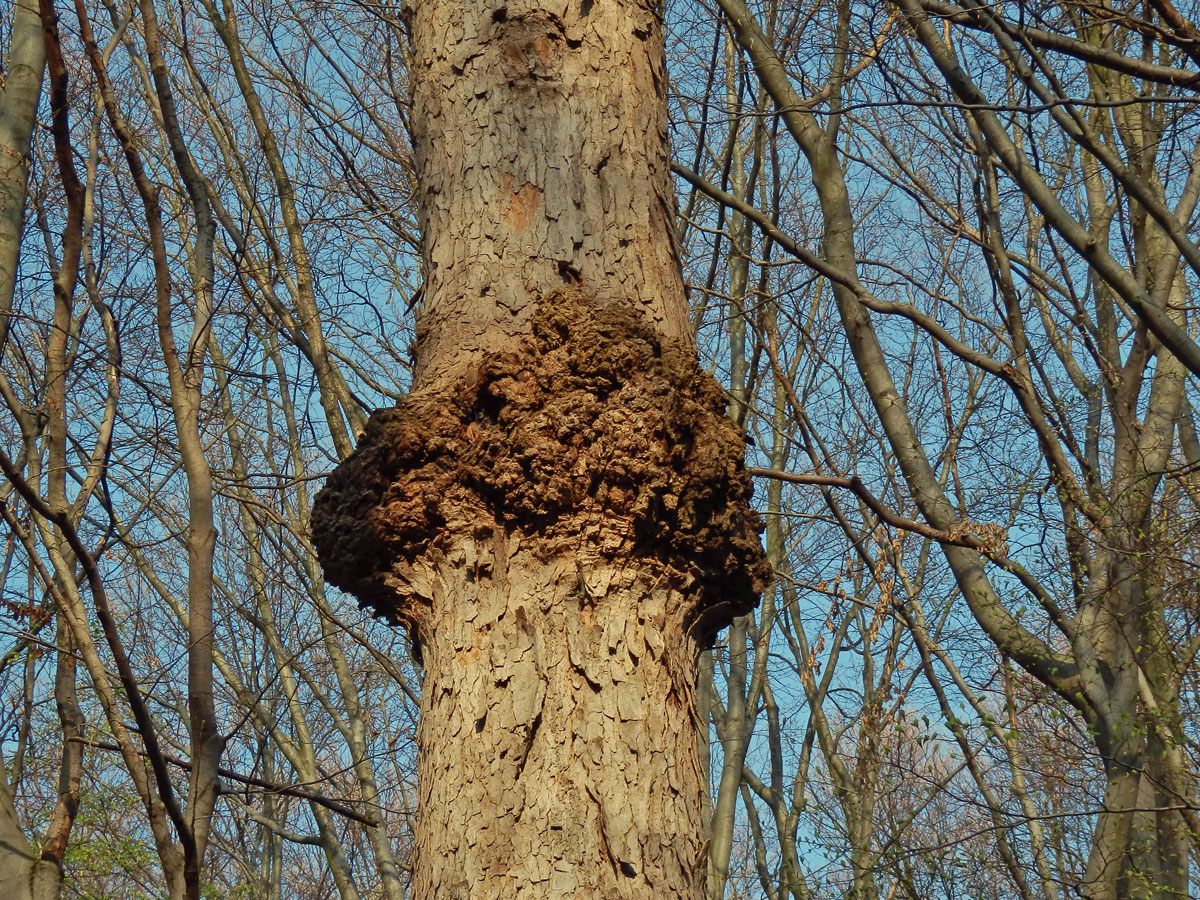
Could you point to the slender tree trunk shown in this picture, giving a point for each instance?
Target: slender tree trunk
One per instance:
(185, 374)
(559, 511)
(23, 68)
(18, 859)
(340, 407)
(739, 717)
(24, 64)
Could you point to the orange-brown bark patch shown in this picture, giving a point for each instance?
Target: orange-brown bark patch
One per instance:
(522, 204)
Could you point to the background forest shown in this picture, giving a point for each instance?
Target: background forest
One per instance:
(941, 256)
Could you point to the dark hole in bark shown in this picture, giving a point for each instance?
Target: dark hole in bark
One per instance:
(568, 273)
(500, 15)
(627, 870)
(480, 722)
(585, 7)
(529, 738)
(488, 408)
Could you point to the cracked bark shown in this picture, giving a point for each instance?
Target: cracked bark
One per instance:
(559, 511)
(541, 137)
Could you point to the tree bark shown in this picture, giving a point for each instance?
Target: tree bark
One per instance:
(18, 859)
(559, 511)
(559, 756)
(23, 70)
(540, 130)
(19, 94)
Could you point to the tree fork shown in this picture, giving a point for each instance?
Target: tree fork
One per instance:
(559, 511)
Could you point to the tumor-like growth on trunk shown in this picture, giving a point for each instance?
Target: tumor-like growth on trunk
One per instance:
(596, 435)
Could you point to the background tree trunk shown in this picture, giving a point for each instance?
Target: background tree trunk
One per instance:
(23, 67)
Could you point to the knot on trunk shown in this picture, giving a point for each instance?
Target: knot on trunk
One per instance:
(596, 438)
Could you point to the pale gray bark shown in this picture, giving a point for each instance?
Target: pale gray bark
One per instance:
(18, 859)
(24, 63)
(185, 374)
(739, 713)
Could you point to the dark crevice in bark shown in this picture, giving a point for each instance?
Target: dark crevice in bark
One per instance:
(530, 737)
(595, 430)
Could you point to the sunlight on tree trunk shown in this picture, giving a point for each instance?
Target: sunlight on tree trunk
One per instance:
(559, 511)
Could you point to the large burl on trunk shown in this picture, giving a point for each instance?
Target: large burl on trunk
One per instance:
(559, 511)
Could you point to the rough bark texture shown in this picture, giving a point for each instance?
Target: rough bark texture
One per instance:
(594, 437)
(558, 748)
(559, 510)
(541, 139)
(558, 532)
(24, 874)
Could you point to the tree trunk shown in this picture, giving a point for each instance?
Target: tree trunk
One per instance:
(18, 858)
(19, 92)
(559, 755)
(540, 130)
(559, 511)
(23, 67)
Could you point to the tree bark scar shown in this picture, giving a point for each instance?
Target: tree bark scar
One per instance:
(522, 205)
(531, 44)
